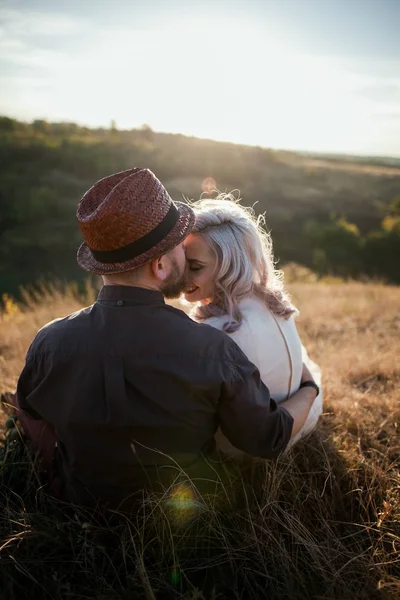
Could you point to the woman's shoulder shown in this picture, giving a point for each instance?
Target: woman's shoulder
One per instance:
(216, 322)
(251, 308)
(252, 304)
(253, 311)
(246, 305)
(257, 320)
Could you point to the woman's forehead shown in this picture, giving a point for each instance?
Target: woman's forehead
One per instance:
(197, 247)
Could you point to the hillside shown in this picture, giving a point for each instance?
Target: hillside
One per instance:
(45, 168)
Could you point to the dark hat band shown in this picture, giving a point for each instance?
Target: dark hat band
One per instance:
(141, 245)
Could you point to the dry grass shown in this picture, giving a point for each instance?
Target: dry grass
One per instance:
(19, 323)
(352, 331)
(322, 522)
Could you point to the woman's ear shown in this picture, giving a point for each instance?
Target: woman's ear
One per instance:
(159, 266)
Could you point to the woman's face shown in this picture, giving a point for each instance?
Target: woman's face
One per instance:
(202, 263)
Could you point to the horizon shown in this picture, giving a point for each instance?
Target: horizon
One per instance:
(324, 79)
(196, 137)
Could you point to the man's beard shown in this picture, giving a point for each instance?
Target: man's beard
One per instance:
(176, 282)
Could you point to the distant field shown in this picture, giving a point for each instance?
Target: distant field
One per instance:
(322, 523)
(354, 167)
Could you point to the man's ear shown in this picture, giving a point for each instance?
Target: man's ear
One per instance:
(160, 266)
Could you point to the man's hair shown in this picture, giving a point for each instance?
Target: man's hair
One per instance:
(245, 261)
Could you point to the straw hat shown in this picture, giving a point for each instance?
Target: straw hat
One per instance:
(127, 220)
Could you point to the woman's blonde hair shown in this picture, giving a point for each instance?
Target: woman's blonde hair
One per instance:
(245, 261)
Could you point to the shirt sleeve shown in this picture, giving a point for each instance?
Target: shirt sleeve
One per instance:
(40, 432)
(28, 381)
(250, 419)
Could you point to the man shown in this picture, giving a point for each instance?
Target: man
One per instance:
(131, 389)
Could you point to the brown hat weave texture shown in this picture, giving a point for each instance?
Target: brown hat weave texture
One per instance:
(127, 220)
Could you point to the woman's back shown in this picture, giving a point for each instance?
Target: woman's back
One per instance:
(271, 343)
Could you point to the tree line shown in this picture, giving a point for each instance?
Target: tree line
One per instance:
(332, 221)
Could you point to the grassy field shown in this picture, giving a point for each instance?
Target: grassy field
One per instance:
(323, 522)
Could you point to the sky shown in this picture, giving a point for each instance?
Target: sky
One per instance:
(316, 75)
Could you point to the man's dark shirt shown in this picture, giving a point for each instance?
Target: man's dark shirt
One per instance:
(131, 383)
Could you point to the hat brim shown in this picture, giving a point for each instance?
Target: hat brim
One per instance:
(178, 233)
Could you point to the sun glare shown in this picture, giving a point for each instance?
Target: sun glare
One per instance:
(243, 86)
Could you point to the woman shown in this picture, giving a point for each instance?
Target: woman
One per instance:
(236, 289)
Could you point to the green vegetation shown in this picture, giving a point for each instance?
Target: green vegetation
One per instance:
(332, 215)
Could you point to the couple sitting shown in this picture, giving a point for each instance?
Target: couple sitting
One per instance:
(130, 391)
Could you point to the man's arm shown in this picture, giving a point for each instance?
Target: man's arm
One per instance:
(251, 420)
(40, 432)
(298, 405)
(28, 381)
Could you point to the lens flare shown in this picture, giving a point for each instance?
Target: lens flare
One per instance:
(182, 503)
(209, 185)
(182, 497)
(175, 576)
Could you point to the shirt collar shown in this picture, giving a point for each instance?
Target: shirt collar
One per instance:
(134, 295)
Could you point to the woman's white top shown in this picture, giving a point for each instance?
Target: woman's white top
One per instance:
(273, 345)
